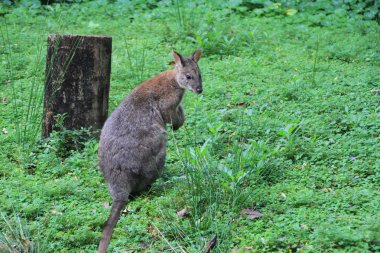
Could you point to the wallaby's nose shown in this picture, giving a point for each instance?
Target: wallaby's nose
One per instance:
(199, 89)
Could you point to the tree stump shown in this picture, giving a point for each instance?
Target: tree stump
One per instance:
(77, 81)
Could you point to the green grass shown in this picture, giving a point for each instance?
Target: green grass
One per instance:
(287, 125)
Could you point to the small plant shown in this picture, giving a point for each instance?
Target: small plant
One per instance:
(187, 18)
(289, 140)
(214, 185)
(179, 14)
(216, 42)
(136, 62)
(62, 141)
(202, 183)
(16, 238)
(294, 144)
(315, 61)
(244, 167)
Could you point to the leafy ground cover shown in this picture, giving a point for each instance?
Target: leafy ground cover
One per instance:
(281, 153)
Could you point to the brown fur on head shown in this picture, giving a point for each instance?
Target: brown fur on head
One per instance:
(188, 75)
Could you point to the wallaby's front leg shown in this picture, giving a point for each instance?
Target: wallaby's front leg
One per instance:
(179, 117)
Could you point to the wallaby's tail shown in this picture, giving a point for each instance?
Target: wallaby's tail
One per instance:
(117, 206)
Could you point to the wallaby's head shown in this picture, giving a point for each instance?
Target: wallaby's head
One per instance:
(188, 75)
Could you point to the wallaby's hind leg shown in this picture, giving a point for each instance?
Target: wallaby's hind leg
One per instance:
(117, 207)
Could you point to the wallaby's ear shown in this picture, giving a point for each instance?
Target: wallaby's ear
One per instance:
(178, 59)
(196, 55)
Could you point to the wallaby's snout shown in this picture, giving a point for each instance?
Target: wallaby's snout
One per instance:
(197, 85)
(188, 75)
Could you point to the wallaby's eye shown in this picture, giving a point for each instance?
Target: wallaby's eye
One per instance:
(188, 77)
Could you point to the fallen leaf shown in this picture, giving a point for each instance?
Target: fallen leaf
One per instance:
(240, 104)
(251, 214)
(353, 158)
(183, 212)
(152, 230)
(53, 211)
(237, 104)
(296, 248)
(91, 24)
(244, 249)
(235, 249)
(106, 204)
(26, 243)
(291, 12)
(143, 245)
(211, 244)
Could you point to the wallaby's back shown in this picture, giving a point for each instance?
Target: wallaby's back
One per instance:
(134, 137)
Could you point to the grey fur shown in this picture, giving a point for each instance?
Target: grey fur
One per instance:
(132, 146)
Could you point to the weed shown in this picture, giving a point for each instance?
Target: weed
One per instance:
(63, 141)
(315, 61)
(16, 237)
(136, 62)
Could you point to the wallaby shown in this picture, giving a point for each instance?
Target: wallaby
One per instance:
(132, 145)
